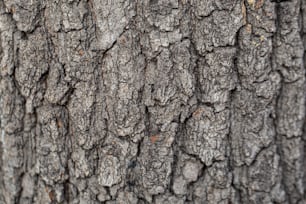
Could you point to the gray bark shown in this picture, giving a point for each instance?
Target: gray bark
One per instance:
(152, 101)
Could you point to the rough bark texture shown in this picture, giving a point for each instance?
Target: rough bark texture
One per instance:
(152, 101)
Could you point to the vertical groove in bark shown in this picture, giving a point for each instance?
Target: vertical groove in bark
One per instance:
(153, 101)
(303, 32)
(291, 104)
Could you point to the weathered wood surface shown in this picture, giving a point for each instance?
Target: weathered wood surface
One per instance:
(152, 101)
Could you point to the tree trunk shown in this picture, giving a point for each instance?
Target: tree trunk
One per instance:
(152, 101)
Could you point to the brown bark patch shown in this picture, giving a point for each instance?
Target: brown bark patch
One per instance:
(259, 4)
(197, 113)
(154, 138)
(81, 52)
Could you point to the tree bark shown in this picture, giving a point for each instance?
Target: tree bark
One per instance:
(152, 101)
